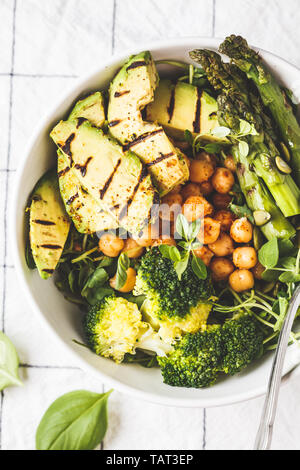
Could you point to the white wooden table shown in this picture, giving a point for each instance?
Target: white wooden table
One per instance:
(45, 45)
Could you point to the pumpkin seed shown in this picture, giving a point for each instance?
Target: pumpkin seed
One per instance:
(258, 239)
(282, 165)
(285, 151)
(261, 217)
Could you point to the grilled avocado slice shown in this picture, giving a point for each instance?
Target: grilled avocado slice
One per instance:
(90, 108)
(87, 215)
(182, 106)
(116, 180)
(130, 91)
(49, 224)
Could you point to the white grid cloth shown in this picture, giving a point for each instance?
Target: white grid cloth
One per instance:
(45, 45)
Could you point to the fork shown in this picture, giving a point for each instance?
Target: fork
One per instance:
(265, 430)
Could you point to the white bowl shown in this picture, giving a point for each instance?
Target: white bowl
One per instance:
(61, 317)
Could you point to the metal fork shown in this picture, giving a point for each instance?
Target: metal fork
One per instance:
(265, 430)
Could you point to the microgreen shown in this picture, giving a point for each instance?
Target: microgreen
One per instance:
(121, 275)
(180, 258)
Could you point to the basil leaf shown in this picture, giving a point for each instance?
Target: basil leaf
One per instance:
(268, 255)
(287, 248)
(75, 421)
(182, 226)
(288, 263)
(270, 276)
(170, 252)
(9, 363)
(212, 148)
(123, 265)
(245, 127)
(199, 268)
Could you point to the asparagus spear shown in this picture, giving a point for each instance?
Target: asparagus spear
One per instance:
(270, 91)
(243, 104)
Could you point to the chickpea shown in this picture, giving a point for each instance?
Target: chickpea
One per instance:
(132, 248)
(221, 269)
(170, 206)
(164, 240)
(201, 169)
(241, 280)
(189, 190)
(210, 232)
(175, 190)
(258, 270)
(111, 245)
(230, 163)
(222, 180)
(221, 201)
(241, 230)
(196, 207)
(130, 281)
(206, 188)
(149, 234)
(223, 246)
(225, 218)
(244, 257)
(205, 254)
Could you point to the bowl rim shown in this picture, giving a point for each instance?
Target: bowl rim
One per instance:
(12, 226)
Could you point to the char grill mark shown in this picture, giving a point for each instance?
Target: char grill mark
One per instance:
(121, 93)
(136, 64)
(72, 199)
(43, 222)
(161, 158)
(66, 147)
(80, 121)
(63, 172)
(109, 180)
(142, 138)
(171, 106)
(49, 271)
(143, 175)
(51, 247)
(114, 123)
(196, 122)
(83, 168)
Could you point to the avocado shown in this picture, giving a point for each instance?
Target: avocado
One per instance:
(183, 106)
(130, 91)
(90, 108)
(84, 211)
(117, 180)
(49, 224)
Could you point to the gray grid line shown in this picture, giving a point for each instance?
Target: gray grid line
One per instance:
(35, 366)
(36, 75)
(6, 189)
(7, 170)
(113, 27)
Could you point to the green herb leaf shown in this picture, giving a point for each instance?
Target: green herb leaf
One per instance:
(170, 252)
(194, 229)
(188, 136)
(283, 307)
(123, 265)
(180, 266)
(243, 148)
(182, 226)
(9, 363)
(270, 275)
(75, 421)
(287, 248)
(199, 268)
(212, 148)
(289, 277)
(242, 211)
(220, 132)
(268, 255)
(93, 290)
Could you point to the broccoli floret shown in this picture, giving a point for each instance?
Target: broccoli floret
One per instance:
(197, 359)
(172, 306)
(114, 327)
(243, 343)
